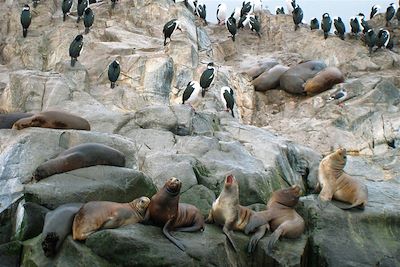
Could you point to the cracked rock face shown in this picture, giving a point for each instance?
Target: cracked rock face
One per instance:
(274, 141)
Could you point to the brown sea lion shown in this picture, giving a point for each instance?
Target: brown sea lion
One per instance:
(80, 156)
(293, 80)
(54, 120)
(337, 184)
(227, 212)
(165, 210)
(260, 67)
(280, 217)
(323, 81)
(269, 80)
(57, 225)
(97, 215)
(7, 120)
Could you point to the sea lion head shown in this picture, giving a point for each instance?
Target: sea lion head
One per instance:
(230, 183)
(35, 121)
(40, 173)
(173, 186)
(339, 157)
(288, 197)
(141, 204)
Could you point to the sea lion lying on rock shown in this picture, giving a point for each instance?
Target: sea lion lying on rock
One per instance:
(269, 79)
(96, 215)
(54, 120)
(57, 225)
(293, 80)
(335, 183)
(227, 212)
(259, 67)
(280, 217)
(323, 81)
(80, 156)
(165, 210)
(7, 120)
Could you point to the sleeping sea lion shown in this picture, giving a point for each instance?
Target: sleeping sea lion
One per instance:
(269, 79)
(7, 120)
(323, 81)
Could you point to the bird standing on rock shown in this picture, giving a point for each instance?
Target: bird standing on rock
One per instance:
(66, 7)
(75, 49)
(114, 70)
(221, 14)
(82, 5)
(207, 77)
(231, 25)
(280, 10)
(255, 25)
(326, 24)
(355, 26)
(374, 10)
(340, 28)
(390, 11)
(382, 38)
(314, 24)
(169, 28)
(201, 12)
(370, 40)
(191, 93)
(227, 99)
(364, 23)
(246, 8)
(88, 18)
(297, 15)
(26, 19)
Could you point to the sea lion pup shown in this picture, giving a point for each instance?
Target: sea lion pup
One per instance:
(323, 81)
(57, 225)
(293, 80)
(80, 156)
(7, 120)
(269, 80)
(227, 212)
(97, 215)
(54, 120)
(337, 184)
(165, 210)
(280, 217)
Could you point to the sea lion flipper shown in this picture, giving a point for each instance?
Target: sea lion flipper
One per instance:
(170, 237)
(257, 220)
(256, 237)
(274, 238)
(227, 232)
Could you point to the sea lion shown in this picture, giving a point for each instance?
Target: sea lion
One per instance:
(165, 210)
(259, 67)
(54, 120)
(57, 225)
(280, 217)
(323, 81)
(7, 120)
(227, 212)
(337, 184)
(80, 156)
(269, 79)
(96, 215)
(293, 80)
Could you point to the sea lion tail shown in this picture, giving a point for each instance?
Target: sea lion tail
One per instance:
(49, 244)
(274, 238)
(345, 206)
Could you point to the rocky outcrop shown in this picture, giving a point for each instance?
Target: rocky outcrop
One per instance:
(277, 141)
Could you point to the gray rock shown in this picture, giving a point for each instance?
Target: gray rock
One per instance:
(106, 183)
(199, 196)
(10, 253)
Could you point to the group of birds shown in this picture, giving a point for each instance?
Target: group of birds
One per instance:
(381, 39)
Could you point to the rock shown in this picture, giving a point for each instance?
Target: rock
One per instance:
(32, 221)
(10, 253)
(199, 196)
(105, 183)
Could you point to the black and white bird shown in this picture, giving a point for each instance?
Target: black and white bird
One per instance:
(341, 94)
(279, 10)
(390, 43)
(398, 14)
(246, 8)
(382, 38)
(169, 28)
(75, 49)
(114, 70)
(113, 3)
(340, 27)
(26, 19)
(374, 9)
(231, 25)
(314, 24)
(88, 19)
(255, 25)
(207, 77)
(35, 3)
(245, 20)
(291, 5)
(191, 93)
(390, 11)
(82, 5)
(355, 26)
(364, 23)
(201, 12)
(297, 15)
(370, 40)
(227, 99)
(66, 8)
(221, 14)
(326, 24)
